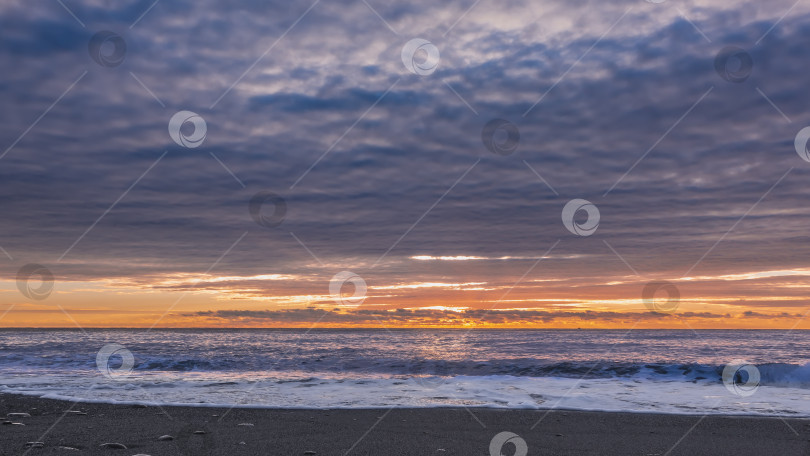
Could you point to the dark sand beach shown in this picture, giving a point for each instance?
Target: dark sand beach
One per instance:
(443, 431)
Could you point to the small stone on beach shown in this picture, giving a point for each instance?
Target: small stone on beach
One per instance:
(165, 438)
(18, 415)
(114, 446)
(199, 432)
(35, 444)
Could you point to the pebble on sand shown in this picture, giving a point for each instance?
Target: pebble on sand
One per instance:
(35, 444)
(199, 432)
(114, 446)
(165, 438)
(18, 415)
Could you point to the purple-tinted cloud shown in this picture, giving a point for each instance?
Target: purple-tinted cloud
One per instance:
(270, 122)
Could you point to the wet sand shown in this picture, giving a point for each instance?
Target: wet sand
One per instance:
(381, 432)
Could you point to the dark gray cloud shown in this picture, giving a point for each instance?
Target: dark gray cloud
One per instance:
(385, 171)
(480, 316)
(752, 314)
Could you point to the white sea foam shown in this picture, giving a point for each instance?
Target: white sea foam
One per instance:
(489, 391)
(647, 371)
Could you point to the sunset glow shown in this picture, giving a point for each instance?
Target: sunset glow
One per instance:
(529, 166)
(754, 299)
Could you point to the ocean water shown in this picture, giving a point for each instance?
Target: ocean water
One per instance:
(665, 371)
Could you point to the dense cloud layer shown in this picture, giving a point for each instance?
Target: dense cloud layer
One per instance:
(444, 317)
(281, 83)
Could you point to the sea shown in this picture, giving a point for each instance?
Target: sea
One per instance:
(734, 372)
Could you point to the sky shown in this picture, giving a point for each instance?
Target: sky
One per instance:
(552, 164)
